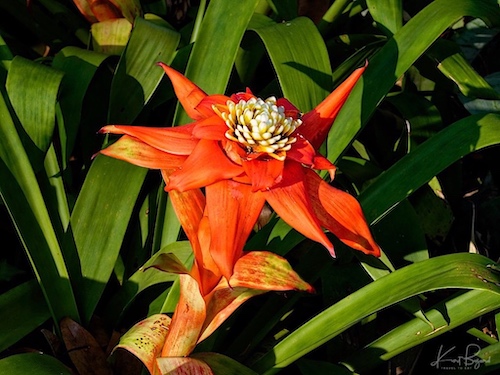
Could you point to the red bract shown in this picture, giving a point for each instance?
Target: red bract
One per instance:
(257, 150)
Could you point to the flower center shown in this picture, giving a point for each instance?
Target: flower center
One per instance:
(260, 126)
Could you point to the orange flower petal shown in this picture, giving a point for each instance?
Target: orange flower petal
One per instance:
(205, 107)
(340, 213)
(206, 164)
(317, 123)
(187, 92)
(212, 128)
(290, 201)
(264, 174)
(233, 210)
(139, 153)
(302, 151)
(178, 140)
(205, 270)
(324, 164)
(187, 321)
(189, 207)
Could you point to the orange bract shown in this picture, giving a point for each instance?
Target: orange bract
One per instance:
(279, 173)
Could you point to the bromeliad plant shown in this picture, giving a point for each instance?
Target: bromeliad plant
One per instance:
(108, 247)
(243, 151)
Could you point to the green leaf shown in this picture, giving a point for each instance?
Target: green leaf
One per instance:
(484, 105)
(137, 74)
(415, 332)
(99, 222)
(299, 57)
(79, 67)
(454, 66)
(388, 14)
(5, 60)
(216, 46)
(34, 103)
(36, 363)
(465, 271)
(22, 309)
(22, 196)
(412, 171)
(394, 59)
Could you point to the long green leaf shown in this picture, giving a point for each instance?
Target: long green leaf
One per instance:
(41, 364)
(388, 14)
(418, 167)
(33, 90)
(22, 196)
(299, 57)
(22, 309)
(465, 271)
(79, 67)
(399, 53)
(137, 74)
(216, 46)
(416, 331)
(99, 222)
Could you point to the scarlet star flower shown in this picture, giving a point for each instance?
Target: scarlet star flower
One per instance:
(245, 151)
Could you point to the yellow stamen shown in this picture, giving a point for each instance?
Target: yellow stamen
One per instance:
(260, 126)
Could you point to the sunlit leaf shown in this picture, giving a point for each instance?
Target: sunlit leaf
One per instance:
(398, 54)
(464, 270)
(38, 113)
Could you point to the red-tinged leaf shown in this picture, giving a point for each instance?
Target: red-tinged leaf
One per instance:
(341, 214)
(206, 164)
(234, 208)
(187, 321)
(177, 141)
(83, 349)
(264, 270)
(187, 92)
(291, 202)
(222, 302)
(221, 364)
(264, 174)
(145, 340)
(84, 8)
(136, 152)
(168, 262)
(182, 366)
(105, 10)
(317, 123)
